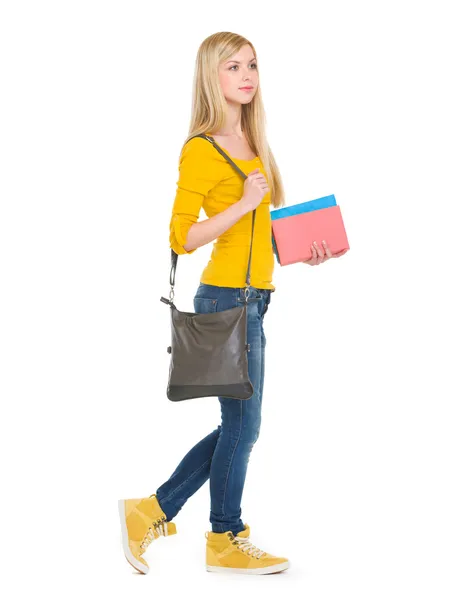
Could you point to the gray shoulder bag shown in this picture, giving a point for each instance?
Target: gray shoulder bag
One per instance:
(209, 351)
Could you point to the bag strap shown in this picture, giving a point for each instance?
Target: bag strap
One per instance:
(174, 255)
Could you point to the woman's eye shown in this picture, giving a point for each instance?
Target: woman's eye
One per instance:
(253, 65)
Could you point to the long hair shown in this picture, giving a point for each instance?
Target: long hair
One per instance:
(209, 106)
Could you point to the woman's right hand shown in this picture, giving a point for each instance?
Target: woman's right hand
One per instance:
(255, 188)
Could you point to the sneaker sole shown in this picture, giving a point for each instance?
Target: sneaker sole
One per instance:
(262, 571)
(136, 564)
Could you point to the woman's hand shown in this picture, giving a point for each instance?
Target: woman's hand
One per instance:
(255, 188)
(320, 255)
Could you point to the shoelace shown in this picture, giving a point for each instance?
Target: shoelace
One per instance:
(245, 545)
(159, 527)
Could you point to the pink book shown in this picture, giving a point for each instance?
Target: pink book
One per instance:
(294, 234)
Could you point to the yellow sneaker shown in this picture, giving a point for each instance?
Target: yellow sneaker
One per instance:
(228, 553)
(142, 521)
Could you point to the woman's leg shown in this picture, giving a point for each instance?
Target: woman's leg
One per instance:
(241, 421)
(191, 473)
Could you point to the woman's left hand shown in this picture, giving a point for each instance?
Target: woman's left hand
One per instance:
(320, 255)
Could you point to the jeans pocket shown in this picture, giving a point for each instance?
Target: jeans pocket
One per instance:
(205, 305)
(267, 302)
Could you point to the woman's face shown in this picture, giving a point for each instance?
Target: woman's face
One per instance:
(239, 71)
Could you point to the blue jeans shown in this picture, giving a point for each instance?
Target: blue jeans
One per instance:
(223, 455)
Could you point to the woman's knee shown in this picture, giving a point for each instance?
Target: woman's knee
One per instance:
(245, 430)
(251, 431)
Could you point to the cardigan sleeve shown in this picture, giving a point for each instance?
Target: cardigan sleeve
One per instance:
(198, 174)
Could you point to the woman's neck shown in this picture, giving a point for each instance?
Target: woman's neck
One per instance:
(232, 127)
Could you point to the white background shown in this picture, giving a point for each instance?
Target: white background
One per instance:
(357, 474)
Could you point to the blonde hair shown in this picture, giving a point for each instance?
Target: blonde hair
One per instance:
(209, 107)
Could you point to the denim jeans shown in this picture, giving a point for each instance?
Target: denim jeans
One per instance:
(223, 455)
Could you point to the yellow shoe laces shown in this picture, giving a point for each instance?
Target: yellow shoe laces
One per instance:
(158, 528)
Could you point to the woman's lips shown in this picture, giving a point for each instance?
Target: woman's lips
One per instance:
(246, 89)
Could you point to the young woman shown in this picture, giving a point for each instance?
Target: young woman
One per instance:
(227, 107)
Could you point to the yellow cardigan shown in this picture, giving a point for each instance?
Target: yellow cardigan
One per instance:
(207, 180)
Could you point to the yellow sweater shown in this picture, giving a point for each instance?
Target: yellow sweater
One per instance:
(207, 180)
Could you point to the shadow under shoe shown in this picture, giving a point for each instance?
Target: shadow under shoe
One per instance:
(142, 521)
(228, 553)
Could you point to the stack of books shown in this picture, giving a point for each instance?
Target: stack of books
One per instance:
(294, 228)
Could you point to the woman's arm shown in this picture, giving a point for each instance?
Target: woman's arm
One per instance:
(206, 231)
(199, 172)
